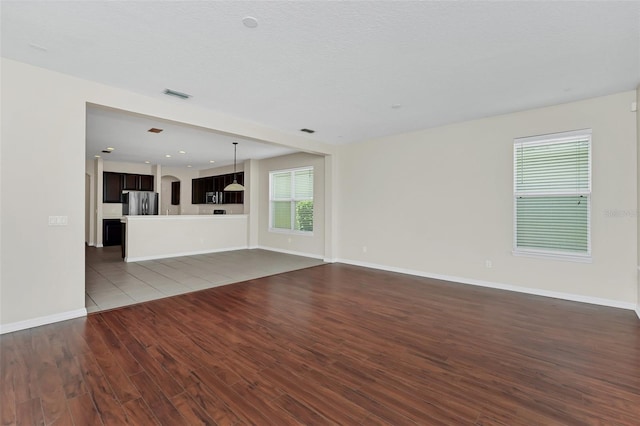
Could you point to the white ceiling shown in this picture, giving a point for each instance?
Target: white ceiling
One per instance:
(128, 134)
(338, 67)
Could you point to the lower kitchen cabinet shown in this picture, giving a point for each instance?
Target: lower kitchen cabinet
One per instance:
(111, 232)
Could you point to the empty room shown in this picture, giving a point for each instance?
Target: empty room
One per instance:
(318, 212)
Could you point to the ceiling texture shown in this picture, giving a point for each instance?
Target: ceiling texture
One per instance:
(350, 70)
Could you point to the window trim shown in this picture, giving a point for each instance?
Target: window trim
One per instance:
(293, 200)
(547, 139)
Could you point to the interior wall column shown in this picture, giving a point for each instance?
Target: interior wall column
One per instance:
(638, 189)
(251, 201)
(330, 195)
(99, 168)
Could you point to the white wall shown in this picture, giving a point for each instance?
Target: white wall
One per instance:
(439, 202)
(43, 132)
(638, 186)
(43, 126)
(296, 243)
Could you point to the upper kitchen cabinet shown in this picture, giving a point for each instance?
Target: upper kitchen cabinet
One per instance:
(175, 193)
(200, 187)
(198, 191)
(138, 182)
(146, 183)
(114, 183)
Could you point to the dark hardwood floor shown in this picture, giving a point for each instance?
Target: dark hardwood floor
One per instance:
(332, 344)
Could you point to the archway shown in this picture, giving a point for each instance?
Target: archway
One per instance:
(169, 185)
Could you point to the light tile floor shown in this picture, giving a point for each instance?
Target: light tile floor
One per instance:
(111, 283)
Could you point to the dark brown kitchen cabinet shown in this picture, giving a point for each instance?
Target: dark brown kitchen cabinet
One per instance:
(112, 186)
(131, 182)
(138, 182)
(198, 193)
(175, 193)
(200, 187)
(111, 232)
(114, 183)
(146, 182)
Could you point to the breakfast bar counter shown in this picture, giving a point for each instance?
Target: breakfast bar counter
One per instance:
(157, 237)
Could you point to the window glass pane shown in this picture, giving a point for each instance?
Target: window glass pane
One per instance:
(304, 184)
(557, 223)
(281, 214)
(304, 216)
(281, 185)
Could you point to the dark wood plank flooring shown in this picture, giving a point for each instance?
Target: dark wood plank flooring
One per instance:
(332, 344)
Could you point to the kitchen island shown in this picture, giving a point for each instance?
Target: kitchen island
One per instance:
(158, 237)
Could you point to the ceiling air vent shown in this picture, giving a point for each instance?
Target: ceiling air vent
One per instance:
(106, 151)
(154, 130)
(307, 130)
(176, 94)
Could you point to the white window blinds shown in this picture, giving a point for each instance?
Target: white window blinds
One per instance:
(291, 199)
(552, 194)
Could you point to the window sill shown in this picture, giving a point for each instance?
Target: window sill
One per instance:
(554, 256)
(291, 232)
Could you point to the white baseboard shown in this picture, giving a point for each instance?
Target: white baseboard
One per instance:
(499, 286)
(99, 245)
(187, 253)
(295, 253)
(638, 312)
(37, 322)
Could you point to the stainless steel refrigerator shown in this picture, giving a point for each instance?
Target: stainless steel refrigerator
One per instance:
(139, 203)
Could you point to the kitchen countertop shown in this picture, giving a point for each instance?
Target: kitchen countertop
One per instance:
(182, 216)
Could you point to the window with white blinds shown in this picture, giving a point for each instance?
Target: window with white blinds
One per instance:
(291, 200)
(552, 195)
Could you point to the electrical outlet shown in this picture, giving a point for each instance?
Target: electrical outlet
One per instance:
(488, 264)
(289, 240)
(364, 249)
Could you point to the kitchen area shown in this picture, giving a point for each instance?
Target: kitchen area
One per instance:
(150, 253)
(163, 216)
(147, 228)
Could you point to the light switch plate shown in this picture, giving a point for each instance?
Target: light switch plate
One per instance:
(58, 220)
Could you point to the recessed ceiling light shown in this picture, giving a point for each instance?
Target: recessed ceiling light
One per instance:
(154, 130)
(212, 161)
(182, 152)
(176, 94)
(189, 165)
(168, 155)
(147, 162)
(250, 22)
(97, 156)
(307, 130)
(110, 149)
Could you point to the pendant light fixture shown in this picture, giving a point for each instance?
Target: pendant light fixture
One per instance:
(235, 186)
